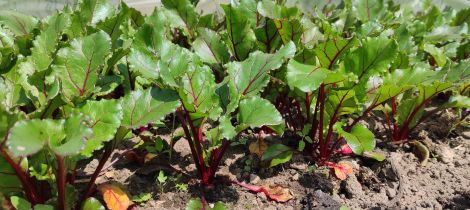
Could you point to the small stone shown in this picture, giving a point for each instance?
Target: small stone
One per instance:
(466, 134)
(353, 187)
(254, 179)
(299, 166)
(391, 192)
(446, 155)
(296, 177)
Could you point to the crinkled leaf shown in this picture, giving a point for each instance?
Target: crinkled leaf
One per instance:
(267, 37)
(251, 75)
(272, 10)
(146, 49)
(240, 37)
(76, 132)
(330, 51)
(182, 15)
(79, 65)
(19, 24)
(104, 117)
(372, 57)
(141, 107)
(89, 13)
(198, 93)
(436, 53)
(210, 47)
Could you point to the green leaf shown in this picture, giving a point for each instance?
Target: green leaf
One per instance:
(161, 177)
(372, 57)
(360, 139)
(174, 63)
(272, 10)
(436, 53)
(19, 24)
(79, 65)
(198, 93)
(333, 49)
(147, 47)
(142, 107)
(369, 10)
(104, 117)
(43, 207)
(240, 37)
(89, 13)
(256, 112)
(92, 204)
(210, 47)
(267, 37)
(307, 78)
(64, 137)
(182, 15)
(278, 153)
(9, 182)
(374, 155)
(250, 76)
(112, 24)
(142, 198)
(20, 203)
(29, 136)
(194, 204)
(41, 86)
(76, 132)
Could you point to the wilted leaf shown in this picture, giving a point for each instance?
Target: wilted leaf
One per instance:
(258, 147)
(274, 192)
(114, 197)
(342, 170)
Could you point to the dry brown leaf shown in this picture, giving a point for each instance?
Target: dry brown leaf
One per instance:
(258, 147)
(114, 197)
(279, 193)
(342, 170)
(274, 192)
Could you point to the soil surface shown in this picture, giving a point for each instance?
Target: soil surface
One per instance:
(398, 182)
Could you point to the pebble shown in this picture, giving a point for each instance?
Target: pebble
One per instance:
(466, 134)
(353, 187)
(299, 166)
(446, 155)
(254, 179)
(296, 177)
(391, 193)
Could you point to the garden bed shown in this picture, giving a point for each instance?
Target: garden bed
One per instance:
(399, 182)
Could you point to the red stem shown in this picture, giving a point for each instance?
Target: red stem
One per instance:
(190, 141)
(28, 187)
(61, 182)
(320, 128)
(90, 186)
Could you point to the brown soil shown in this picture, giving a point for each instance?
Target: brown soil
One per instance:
(399, 182)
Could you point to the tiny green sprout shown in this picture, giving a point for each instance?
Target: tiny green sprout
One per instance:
(162, 178)
(142, 198)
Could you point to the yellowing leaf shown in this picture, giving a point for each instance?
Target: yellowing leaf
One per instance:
(148, 157)
(342, 170)
(274, 192)
(114, 197)
(279, 193)
(258, 147)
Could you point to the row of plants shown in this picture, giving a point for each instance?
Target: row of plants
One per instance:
(78, 83)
